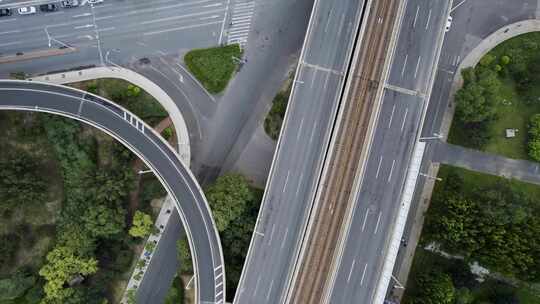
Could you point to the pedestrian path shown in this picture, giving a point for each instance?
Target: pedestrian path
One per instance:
(479, 161)
(240, 22)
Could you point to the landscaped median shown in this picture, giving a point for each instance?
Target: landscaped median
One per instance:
(499, 97)
(214, 67)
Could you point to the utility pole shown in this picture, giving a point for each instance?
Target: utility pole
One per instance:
(97, 35)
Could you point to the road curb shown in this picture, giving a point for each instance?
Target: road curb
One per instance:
(140, 81)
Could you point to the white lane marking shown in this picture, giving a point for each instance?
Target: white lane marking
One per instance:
(180, 28)
(81, 15)
(428, 18)
(391, 169)
(341, 24)
(299, 184)
(212, 5)
(351, 271)
(8, 20)
(256, 286)
(182, 16)
(313, 132)
(272, 233)
(365, 220)
(300, 129)
(241, 18)
(11, 43)
(284, 238)
(83, 26)
(404, 65)
(378, 222)
(313, 79)
(328, 20)
(378, 168)
(153, 9)
(416, 16)
(391, 116)
(269, 290)
(106, 29)
(210, 17)
(9, 32)
(417, 65)
(404, 118)
(286, 180)
(363, 275)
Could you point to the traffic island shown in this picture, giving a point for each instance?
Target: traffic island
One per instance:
(214, 67)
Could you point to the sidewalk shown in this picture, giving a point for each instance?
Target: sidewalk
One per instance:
(138, 80)
(167, 212)
(523, 170)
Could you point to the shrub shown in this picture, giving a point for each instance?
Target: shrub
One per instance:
(505, 60)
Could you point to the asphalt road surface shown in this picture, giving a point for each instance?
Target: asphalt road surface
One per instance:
(301, 150)
(472, 22)
(379, 198)
(117, 24)
(129, 130)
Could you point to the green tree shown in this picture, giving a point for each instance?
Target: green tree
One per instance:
(184, 256)
(534, 137)
(487, 60)
(16, 285)
(103, 221)
(228, 197)
(505, 60)
(63, 264)
(435, 287)
(142, 225)
(20, 182)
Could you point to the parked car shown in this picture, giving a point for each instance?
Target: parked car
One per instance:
(51, 7)
(5, 12)
(95, 1)
(69, 3)
(27, 10)
(448, 24)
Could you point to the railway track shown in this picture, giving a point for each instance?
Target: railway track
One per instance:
(335, 192)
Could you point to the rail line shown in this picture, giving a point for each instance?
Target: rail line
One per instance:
(335, 190)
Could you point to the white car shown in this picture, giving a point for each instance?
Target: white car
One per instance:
(95, 1)
(448, 24)
(27, 10)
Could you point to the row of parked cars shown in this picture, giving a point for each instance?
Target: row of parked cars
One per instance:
(50, 7)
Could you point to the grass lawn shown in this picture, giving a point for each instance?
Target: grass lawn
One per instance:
(515, 110)
(213, 67)
(475, 180)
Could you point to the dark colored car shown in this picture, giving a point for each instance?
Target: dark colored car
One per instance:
(51, 7)
(5, 12)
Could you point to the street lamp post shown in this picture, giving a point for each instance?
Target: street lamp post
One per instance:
(434, 137)
(430, 177)
(97, 35)
(144, 171)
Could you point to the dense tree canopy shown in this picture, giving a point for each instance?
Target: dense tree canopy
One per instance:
(228, 197)
(435, 287)
(63, 264)
(142, 225)
(497, 226)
